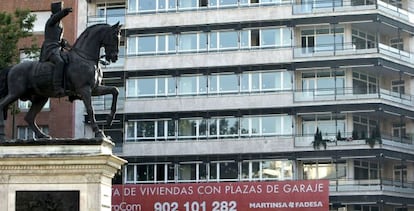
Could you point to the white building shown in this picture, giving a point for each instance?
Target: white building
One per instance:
(243, 85)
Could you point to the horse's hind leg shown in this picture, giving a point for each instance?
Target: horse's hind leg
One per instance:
(37, 104)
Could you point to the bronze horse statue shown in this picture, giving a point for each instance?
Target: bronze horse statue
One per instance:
(33, 80)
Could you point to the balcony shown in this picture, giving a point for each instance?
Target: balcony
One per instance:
(373, 186)
(337, 6)
(403, 144)
(348, 94)
(349, 51)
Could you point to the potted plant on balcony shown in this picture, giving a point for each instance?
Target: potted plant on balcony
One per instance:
(318, 140)
(375, 137)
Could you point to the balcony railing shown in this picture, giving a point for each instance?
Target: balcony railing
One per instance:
(325, 6)
(314, 95)
(387, 140)
(342, 49)
(351, 185)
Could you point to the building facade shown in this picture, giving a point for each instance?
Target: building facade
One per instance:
(58, 116)
(235, 90)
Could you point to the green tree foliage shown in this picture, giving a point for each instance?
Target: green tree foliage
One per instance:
(13, 27)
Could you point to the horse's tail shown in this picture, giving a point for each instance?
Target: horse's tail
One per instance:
(4, 87)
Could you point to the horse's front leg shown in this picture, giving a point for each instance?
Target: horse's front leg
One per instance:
(104, 90)
(37, 104)
(85, 94)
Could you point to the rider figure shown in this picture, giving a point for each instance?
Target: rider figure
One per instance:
(52, 45)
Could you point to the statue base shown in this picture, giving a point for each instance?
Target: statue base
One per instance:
(57, 174)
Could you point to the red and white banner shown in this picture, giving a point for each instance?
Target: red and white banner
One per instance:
(301, 195)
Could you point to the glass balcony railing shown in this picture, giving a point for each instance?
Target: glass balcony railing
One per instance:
(385, 184)
(351, 94)
(321, 6)
(342, 49)
(387, 140)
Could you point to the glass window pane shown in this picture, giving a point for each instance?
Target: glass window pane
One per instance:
(228, 126)
(132, 5)
(244, 39)
(271, 80)
(146, 87)
(146, 44)
(213, 170)
(171, 43)
(160, 129)
(146, 129)
(228, 170)
(213, 40)
(270, 37)
(130, 130)
(187, 171)
(147, 5)
(255, 128)
(229, 83)
(130, 173)
(268, 125)
(132, 45)
(187, 4)
(187, 85)
(187, 128)
(228, 39)
(188, 42)
(161, 43)
(228, 2)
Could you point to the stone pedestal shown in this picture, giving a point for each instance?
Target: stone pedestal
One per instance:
(57, 173)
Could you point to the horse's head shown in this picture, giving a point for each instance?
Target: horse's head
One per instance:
(111, 42)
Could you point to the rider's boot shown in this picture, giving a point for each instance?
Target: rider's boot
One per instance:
(57, 79)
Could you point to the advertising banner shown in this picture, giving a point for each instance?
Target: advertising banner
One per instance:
(298, 195)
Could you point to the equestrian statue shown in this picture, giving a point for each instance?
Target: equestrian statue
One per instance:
(74, 73)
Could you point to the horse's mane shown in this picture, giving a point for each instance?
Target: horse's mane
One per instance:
(89, 30)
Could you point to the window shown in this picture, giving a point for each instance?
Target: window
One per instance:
(192, 85)
(150, 130)
(224, 83)
(265, 81)
(398, 86)
(400, 174)
(224, 170)
(322, 39)
(192, 128)
(266, 125)
(328, 124)
(323, 82)
(224, 127)
(192, 171)
(149, 173)
(363, 83)
(110, 13)
(363, 40)
(365, 170)
(267, 170)
(363, 126)
(24, 132)
(25, 105)
(324, 170)
(40, 22)
(399, 130)
(151, 44)
(151, 87)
